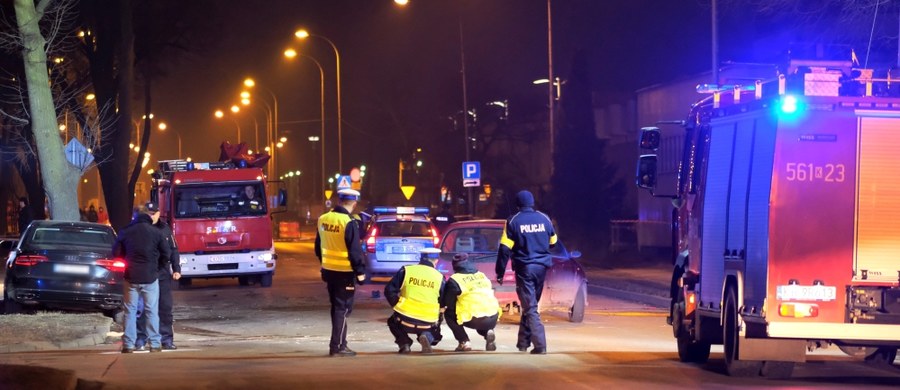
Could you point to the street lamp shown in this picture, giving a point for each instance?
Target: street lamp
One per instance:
(162, 127)
(219, 114)
(290, 54)
(303, 34)
(273, 129)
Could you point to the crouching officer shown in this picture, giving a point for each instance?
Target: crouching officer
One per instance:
(339, 248)
(527, 238)
(470, 302)
(415, 294)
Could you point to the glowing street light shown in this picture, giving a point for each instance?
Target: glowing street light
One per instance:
(303, 34)
(219, 114)
(235, 109)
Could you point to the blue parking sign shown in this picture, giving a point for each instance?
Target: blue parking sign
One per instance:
(471, 172)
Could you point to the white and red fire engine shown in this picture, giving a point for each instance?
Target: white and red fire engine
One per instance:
(220, 216)
(787, 219)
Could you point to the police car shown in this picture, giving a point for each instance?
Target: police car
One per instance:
(394, 238)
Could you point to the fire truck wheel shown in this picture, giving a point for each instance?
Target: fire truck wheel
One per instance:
(689, 350)
(730, 339)
(243, 281)
(265, 280)
(882, 357)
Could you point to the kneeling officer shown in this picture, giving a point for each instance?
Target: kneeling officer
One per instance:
(470, 302)
(415, 294)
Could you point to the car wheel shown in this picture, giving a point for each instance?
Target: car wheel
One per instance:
(576, 312)
(243, 281)
(731, 340)
(265, 280)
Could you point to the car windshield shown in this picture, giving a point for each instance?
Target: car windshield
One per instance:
(70, 236)
(219, 200)
(480, 243)
(403, 229)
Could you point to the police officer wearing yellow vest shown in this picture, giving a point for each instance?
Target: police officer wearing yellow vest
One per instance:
(339, 248)
(415, 294)
(527, 238)
(470, 302)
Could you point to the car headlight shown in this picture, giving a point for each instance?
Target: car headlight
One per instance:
(266, 257)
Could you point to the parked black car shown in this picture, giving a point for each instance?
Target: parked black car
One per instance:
(64, 265)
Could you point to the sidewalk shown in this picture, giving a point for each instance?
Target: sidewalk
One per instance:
(647, 283)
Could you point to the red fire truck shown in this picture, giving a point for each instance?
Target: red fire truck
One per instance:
(220, 217)
(787, 219)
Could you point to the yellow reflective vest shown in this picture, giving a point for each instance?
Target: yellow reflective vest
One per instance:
(420, 292)
(332, 235)
(476, 299)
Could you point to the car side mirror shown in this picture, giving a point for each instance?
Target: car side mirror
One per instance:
(650, 138)
(646, 172)
(282, 197)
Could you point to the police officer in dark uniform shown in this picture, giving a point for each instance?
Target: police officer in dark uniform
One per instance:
(339, 249)
(527, 238)
(169, 271)
(415, 293)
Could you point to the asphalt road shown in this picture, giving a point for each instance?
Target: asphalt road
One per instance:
(231, 336)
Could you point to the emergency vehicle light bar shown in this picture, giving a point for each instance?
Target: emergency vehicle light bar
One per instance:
(169, 166)
(400, 210)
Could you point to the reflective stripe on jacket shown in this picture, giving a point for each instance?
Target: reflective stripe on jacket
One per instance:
(420, 293)
(477, 297)
(335, 256)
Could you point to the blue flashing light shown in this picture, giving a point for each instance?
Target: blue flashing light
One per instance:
(189, 166)
(400, 210)
(789, 104)
(242, 164)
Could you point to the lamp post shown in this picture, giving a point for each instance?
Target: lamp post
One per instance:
(219, 114)
(291, 53)
(550, 77)
(303, 34)
(273, 129)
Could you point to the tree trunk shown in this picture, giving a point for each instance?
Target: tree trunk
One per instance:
(60, 178)
(114, 173)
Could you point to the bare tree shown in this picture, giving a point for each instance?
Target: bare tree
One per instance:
(60, 178)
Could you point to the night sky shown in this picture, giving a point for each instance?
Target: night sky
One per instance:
(400, 68)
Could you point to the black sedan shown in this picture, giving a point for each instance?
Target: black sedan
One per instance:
(64, 265)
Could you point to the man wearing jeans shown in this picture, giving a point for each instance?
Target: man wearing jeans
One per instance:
(142, 245)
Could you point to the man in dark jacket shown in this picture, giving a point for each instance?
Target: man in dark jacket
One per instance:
(169, 271)
(142, 245)
(527, 238)
(470, 302)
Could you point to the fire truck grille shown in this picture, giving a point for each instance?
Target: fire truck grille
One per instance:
(219, 267)
(218, 245)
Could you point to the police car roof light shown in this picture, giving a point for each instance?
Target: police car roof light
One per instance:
(400, 210)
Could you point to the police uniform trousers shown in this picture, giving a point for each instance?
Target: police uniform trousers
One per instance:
(529, 286)
(166, 319)
(402, 326)
(480, 324)
(341, 289)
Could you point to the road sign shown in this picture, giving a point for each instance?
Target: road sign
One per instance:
(471, 173)
(78, 155)
(408, 191)
(344, 183)
(327, 194)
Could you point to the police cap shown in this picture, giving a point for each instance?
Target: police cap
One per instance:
(348, 194)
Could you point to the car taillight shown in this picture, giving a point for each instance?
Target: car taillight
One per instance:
(115, 265)
(370, 242)
(434, 235)
(30, 260)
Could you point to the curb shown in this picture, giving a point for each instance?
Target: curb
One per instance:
(652, 300)
(96, 338)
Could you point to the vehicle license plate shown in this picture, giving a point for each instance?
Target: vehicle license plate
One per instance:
(219, 259)
(404, 249)
(72, 269)
(795, 292)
